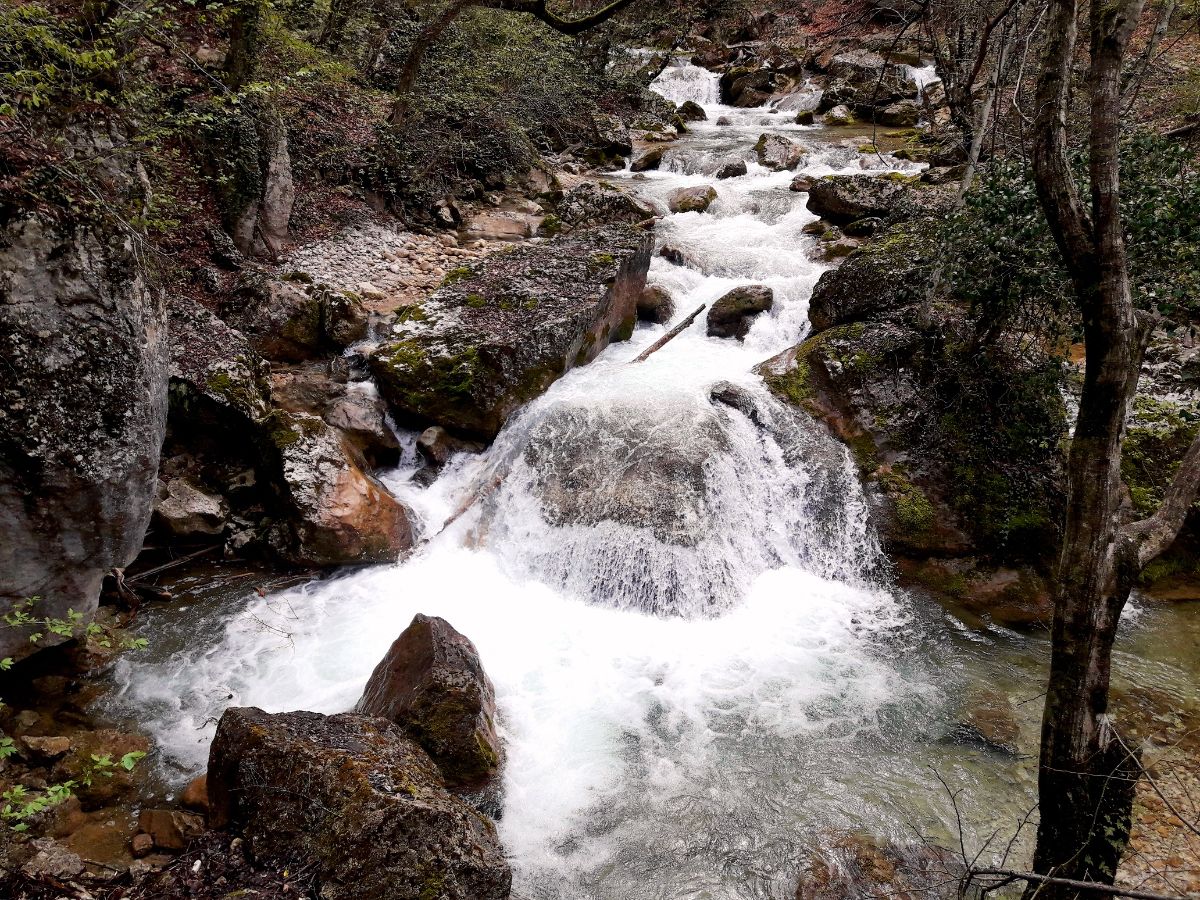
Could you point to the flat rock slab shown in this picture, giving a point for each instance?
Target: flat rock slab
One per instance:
(353, 796)
(499, 333)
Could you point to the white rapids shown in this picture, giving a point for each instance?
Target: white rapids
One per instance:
(698, 667)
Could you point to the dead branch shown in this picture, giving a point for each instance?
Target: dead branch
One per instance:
(674, 332)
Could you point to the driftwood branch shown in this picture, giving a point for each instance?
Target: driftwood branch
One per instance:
(1152, 535)
(1108, 890)
(674, 332)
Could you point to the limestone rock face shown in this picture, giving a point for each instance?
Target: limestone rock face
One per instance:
(354, 796)
(498, 334)
(733, 314)
(83, 400)
(432, 684)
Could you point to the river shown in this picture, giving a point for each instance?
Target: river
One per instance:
(702, 668)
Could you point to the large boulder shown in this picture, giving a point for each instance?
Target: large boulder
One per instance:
(843, 198)
(83, 400)
(777, 153)
(291, 319)
(867, 83)
(432, 684)
(497, 335)
(595, 203)
(655, 305)
(354, 798)
(733, 314)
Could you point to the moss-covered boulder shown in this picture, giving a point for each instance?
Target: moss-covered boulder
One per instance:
(843, 198)
(777, 153)
(432, 684)
(498, 334)
(354, 799)
(887, 274)
(691, 199)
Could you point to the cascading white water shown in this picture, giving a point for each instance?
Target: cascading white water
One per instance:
(672, 593)
(922, 77)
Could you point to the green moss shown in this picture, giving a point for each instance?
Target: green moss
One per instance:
(457, 274)
(602, 259)
(914, 512)
(1154, 446)
(475, 301)
(551, 225)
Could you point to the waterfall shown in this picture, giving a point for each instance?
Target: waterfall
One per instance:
(671, 584)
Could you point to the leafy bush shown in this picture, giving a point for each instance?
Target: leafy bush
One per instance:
(1003, 261)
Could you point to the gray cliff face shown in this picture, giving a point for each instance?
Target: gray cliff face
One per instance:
(83, 397)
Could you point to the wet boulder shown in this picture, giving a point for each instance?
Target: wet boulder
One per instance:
(857, 866)
(189, 509)
(733, 314)
(649, 160)
(436, 445)
(691, 199)
(432, 684)
(354, 798)
(83, 399)
(838, 116)
(594, 203)
(989, 719)
(691, 111)
(655, 305)
(866, 82)
(499, 333)
(901, 114)
(843, 198)
(360, 415)
(777, 153)
(732, 168)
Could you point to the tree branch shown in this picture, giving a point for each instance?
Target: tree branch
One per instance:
(1152, 535)
(538, 9)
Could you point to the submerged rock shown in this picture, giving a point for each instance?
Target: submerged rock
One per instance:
(83, 390)
(497, 335)
(432, 684)
(354, 797)
(691, 111)
(856, 866)
(691, 199)
(733, 314)
(988, 718)
(732, 169)
(655, 305)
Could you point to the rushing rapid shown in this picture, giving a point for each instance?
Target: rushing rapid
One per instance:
(700, 669)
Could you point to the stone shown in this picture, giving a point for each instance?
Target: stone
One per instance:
(807, 117)
(733, 314)
(432, 684)
(649, 160)
(141, 844)
(500, 332)
(498, 226)
(843, 198)
(655, 305)
(691, 111)
(802, 183)
(436, 445)
(83, 403)
(187, 509)
(195, 794)
(95, 791)
(594, 203)
(673, 255)
(361, 416)
(864, 81)
(901, 114)
(610, 137)
(777, 153)
(864, 227)
(51, 859)
(691, 199)
(857, 866)
(839, 115)
(724, 121)
(357, 800)
(731, 169)
(170, 829)
(46, 749)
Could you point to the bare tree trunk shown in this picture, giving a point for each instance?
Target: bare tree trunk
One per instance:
(1086, 780)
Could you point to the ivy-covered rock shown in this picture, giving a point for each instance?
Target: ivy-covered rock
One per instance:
(498, 334)
(357, 800)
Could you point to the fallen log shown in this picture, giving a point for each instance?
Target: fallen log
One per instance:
(666, 338)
